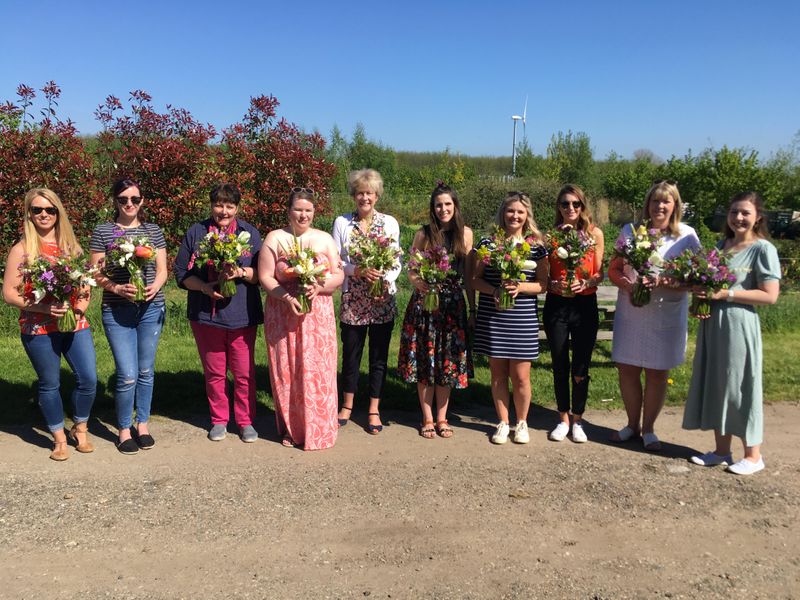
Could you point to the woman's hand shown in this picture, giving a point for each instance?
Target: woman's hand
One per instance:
(294, 304)
(369, 274)
(56, 310)
(230, 271)
(420, 285)
(651, 281)
(578, 285)
(512, 287)
(312, 290)
(150, 292)
(208, 289)
(126, 290)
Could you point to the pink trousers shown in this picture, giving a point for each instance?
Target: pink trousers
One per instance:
(222, 350)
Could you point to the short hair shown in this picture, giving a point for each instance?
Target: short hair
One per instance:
(760, 228)
(658, 191)
(368, 178)
(226, 192)
(585, 218)
(530, 222)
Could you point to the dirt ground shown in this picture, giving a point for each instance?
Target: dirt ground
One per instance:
(397, 516)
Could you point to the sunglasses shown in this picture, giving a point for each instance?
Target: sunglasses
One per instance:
(50, 210)
(567, 204)
(123, 200)
(298, 190)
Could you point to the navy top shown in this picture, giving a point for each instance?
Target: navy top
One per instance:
(244, 309)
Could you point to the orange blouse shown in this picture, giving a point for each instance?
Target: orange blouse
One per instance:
(586, 270)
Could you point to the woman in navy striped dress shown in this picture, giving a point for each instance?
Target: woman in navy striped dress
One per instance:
(510, 338)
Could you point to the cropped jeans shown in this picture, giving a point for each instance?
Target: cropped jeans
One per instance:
(572, 319)
(133, 330)
(45, 352)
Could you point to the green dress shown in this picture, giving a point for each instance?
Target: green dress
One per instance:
(725, 392)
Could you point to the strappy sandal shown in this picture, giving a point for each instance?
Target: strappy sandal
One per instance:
(343, 422)
(427, 430)
(287, 442)
(623, 435)
(443, 429)
(373, 429)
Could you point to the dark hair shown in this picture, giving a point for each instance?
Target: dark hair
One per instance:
(433, 231)
(584, 219)
(119, 186)
(226, 192)
(760, 228)
(300, 194)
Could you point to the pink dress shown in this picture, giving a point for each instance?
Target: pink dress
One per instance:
(302, 368)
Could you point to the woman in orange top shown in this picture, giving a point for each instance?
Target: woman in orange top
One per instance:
(570, 311)
(47, 232)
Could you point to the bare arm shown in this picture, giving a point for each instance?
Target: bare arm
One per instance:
(267, 261)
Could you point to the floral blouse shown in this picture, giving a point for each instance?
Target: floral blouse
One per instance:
(358, 306)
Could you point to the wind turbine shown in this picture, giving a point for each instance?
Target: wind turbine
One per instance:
(516, 118)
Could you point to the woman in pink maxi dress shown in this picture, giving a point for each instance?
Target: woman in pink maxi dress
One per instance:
(302, 347)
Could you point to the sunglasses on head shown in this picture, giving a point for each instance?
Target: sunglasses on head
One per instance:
(567, 204)
(50, 210)
(123, 200)
(297, 190)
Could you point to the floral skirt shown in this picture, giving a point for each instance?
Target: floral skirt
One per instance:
(434, 349)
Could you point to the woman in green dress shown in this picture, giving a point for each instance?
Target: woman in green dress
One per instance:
(725, 393)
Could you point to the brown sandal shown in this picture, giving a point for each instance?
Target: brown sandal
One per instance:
(60, 451)
(443, 429)
(80, 435)
(427, 430)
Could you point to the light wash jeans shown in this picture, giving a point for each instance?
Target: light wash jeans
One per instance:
(133, 330)
(45, 352)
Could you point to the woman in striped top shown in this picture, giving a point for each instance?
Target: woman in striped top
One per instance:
(133, 328)
(510, 338)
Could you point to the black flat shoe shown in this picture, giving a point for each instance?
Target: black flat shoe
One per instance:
(145, 441)
(128, 446)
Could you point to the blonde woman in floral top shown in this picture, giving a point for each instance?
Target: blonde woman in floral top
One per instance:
(361, 313)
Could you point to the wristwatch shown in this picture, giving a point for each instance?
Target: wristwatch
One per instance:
(730, 294)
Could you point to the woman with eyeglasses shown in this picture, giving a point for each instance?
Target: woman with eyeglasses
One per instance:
(132, 324)
(510, 337)
(570, 310)
(224, 328)
(650, 338)
(302, 345)
(46, 232)
(434, 350)
(361, 313)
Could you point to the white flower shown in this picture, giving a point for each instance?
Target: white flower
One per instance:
(127, 247)
(529, 265)
(643, 244)
(243, 237)
(656, 260)
(75, 275)
(90, 282)
(562, 253)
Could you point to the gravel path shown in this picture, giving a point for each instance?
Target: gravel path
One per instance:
(397, 516)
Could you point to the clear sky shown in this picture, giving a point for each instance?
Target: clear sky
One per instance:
(428, 75)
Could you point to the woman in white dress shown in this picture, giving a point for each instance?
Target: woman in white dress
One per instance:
(650, 338)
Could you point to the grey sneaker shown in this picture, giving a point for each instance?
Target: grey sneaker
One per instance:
(217, 433)
(249, 434)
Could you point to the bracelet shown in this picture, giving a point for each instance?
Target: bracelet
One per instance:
(730, 295)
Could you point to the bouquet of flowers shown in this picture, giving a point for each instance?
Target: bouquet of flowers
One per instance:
(61, 279)
(707, 269)
(641, 253)
(220, 249)
(133, 253)
(370, 251)
(305, 267)
(570, 245)
(433, 266)
(509, 256)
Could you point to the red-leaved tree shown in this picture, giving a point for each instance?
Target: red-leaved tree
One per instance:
(267, 157)
(167, 153)
(43, 152)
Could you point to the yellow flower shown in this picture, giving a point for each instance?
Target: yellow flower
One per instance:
(669, 381)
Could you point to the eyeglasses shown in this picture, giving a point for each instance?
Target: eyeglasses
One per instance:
(298, 190)
(123, 200)
(50, 210)
(567, 204)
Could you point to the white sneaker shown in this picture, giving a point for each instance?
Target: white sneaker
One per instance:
(745, 467)
(501, 433)
(560, 432)
(711, 459)
(521, 435)
(578, 434)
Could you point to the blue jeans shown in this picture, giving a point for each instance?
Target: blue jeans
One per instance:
(133, 330)
(45, 353)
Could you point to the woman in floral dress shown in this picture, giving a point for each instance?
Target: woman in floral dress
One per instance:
(434, 352)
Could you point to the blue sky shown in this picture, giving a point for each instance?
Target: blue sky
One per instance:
(668, 77)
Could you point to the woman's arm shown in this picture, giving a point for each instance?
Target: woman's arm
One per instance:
(161, 274)
(267, 261)
(336, 274)
(469, 265)
(599, 253)
(12, 279)
(414, 278)
(766, 293)
(393, 233)
(616, 274)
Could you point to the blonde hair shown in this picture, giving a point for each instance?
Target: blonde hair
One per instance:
(530, 222)
(585, 218)
(65, 236)
(659, 191)
(368, 178)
